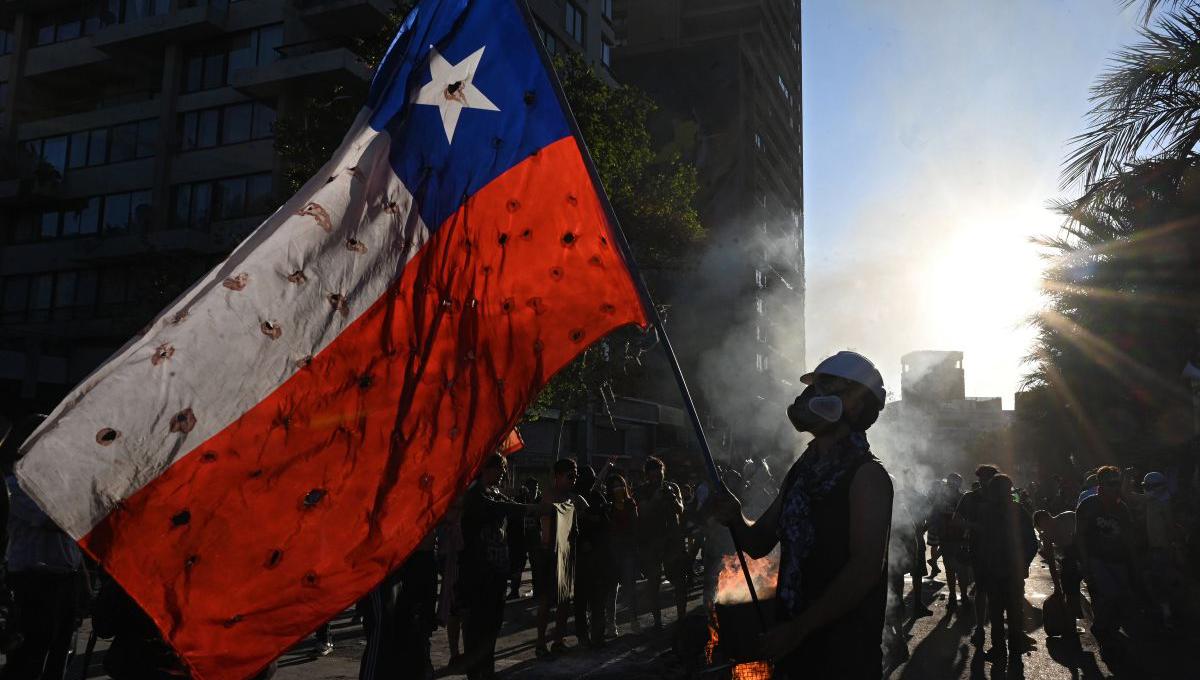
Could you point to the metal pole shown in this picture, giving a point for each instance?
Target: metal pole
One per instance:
(639, 282)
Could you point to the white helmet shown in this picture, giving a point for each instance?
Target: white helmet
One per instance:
(854, 367)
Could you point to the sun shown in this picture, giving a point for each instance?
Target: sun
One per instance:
(982, 285)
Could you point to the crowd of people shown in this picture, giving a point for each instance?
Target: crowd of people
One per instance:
(1121, 533)
(598, 543)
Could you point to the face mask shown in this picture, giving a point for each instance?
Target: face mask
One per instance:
(815, 413)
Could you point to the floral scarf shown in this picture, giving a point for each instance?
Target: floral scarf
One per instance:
(812, 479)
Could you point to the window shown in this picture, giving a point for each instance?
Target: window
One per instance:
(117, 212)
(6, 41)
(606, 53)
(197, 204)
(787, 94)
(606, 9)
(210, 66)
(88, 16)
(225, 125)
(758, 143)
(549, 40)
(575, 22)
(54, 152)
(40, 297)
(760, 279)
(89, 148)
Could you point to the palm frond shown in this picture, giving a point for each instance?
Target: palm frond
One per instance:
(1147, 103)
(1149, 6)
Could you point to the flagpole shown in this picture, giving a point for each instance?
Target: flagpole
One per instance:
(640, 283)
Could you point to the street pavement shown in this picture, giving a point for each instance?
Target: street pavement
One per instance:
(940, 646)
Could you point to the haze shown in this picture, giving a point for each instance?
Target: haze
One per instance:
(934, 132)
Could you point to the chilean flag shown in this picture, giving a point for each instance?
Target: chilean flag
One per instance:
(282, 436)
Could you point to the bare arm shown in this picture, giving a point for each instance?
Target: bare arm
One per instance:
(758, 537)
(870, 522)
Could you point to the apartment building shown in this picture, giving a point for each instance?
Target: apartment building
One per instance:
(137, 147)
(727, 75)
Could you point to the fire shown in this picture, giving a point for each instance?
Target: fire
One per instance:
(755, 670)
(731, 582)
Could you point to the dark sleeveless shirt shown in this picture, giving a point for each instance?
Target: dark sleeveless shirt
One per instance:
(850, 647)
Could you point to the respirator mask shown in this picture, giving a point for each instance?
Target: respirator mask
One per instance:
(815, 412)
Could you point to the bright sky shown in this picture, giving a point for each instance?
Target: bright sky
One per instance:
(934, 132)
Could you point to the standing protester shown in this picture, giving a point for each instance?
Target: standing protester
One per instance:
(657, 511)
(531, 532)
(519, 546)
(1103, 535)
(1160, 540)
(1058, 539)
(587, 600)
(622, 537)
(399, 618)
(831, 520)
(557, 515)
(677, 563)
(449, 550)
(952, 538)
(45, 572)
(969, 515)
(1007, 545)
(483, 566)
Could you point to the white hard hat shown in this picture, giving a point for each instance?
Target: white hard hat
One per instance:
(854, 367)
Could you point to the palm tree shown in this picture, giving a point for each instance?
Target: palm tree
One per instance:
(1120, 321)
(1147, 105)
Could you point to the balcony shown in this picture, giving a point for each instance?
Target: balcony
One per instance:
(75, 57)
(316, 64)
(152, 33)
(345, 17)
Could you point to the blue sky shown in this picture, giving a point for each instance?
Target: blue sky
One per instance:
(934, 133)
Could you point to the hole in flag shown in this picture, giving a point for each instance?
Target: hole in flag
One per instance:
(603, 241)
(181, 518)
(568, 239)
(503, 239)
(535, 303)
(255, 474)
(527, 234)
(365, 381)
(453, 87)
(297, 277)
(530, 97)
(209, 457)
(236, 282)
(572, 199)
(107, 436)
(595, 261)
(179, 317)
(426, 481)
(538, 347)
(513, 205)
(507, 305)
(183, 421)
(313, 497)
(576, 335)
(310, 579)
(271, 330)
(608, 309)
(304, 361)
(233, 620)
(274, 558)
(338, 302)
(191, 561)
(162, 353)
(556, 273)
(354, 245)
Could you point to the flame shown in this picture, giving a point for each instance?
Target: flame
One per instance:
(755, 670)
(713, 636)
(731, 582)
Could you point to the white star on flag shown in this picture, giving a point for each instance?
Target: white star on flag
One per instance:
(451, 89)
